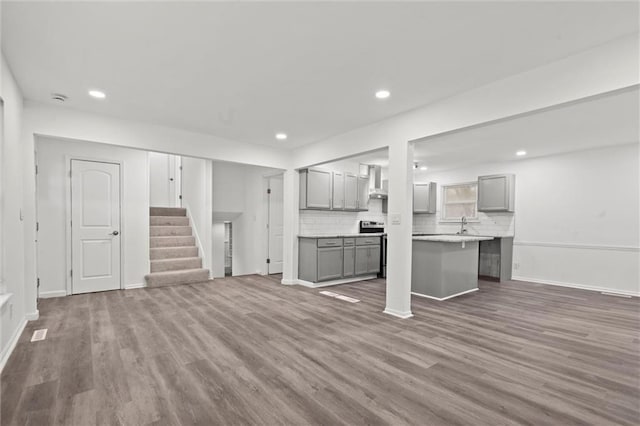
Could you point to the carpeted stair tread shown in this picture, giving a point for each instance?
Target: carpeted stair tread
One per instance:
(172, 241)
(176, 264)
(158, 253)
(169, 221)
(159, 279)
(167, 211)
(169, 231)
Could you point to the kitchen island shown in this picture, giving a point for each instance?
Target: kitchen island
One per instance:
(445, 266)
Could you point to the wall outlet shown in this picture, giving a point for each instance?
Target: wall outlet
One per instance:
(516, 266)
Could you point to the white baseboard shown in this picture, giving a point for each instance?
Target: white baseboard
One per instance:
(393, 312)
(11, 344)
(288, 282)
(33, 316)
(136, 285)
(579, 286)
(49, 294)
(444, 298)
(335, 282)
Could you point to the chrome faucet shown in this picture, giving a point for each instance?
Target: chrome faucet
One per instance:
(463, 222)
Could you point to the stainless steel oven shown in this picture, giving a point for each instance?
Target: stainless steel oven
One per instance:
(372, 227)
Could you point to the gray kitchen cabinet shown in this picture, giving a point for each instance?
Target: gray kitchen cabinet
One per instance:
(362, 260)
(338, 191)
(330, 263)
(319, 259)
(315, 189)
(350, 191)
(363, 193)
(424, 197)
(367, 255)
(349, 262)
(496, 193)
(326, 258)
(374, 260)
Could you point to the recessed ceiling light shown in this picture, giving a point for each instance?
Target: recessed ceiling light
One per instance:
(382, 94)
(281, 136)
(521, 153)
(97, 94)
(423, 168)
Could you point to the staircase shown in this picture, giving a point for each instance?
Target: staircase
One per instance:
(173, 251)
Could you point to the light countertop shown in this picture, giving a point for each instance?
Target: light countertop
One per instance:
(452, 238)
(377, 234)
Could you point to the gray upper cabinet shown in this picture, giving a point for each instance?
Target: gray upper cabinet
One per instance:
(496, 193)
(315, 189)
(363, 193)
(424, 197)
(338, 191)
(350, 191)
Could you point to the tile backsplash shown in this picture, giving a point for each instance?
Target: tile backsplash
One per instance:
(491, 224)
(318, 222)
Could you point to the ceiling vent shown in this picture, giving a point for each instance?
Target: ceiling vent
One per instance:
(59, 97)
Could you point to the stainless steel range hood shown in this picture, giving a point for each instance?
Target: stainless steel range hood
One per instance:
(377, 191)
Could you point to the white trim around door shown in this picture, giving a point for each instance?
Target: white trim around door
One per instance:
(68, 219)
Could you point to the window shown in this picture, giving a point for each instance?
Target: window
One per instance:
(459, 200)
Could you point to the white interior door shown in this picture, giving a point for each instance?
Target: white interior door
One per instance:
(164, 180)
(276, 224)
(95, 226)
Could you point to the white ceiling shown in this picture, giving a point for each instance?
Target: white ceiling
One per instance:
(603, 121)
(245, 71)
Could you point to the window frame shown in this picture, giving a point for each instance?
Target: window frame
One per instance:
(444, 203)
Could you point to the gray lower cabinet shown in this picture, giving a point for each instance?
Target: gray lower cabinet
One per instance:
(326, 259)
(349, 262)
(330, 263)
(367, 255)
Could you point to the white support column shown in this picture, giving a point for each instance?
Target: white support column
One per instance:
(291, 225)
(399, 229)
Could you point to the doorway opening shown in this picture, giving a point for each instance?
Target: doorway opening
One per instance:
(275, 223)
(228, 249)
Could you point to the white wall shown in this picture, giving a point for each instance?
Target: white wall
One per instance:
(197, 198)
(576, 217)
(53, 182)
(217, 267)
(239, 195)
(13, 153)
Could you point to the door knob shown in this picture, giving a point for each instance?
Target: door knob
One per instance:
(114, 233)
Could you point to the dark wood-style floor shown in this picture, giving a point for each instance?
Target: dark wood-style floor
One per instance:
(251, 351)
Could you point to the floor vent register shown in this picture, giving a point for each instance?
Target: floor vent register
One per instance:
(339, 296)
